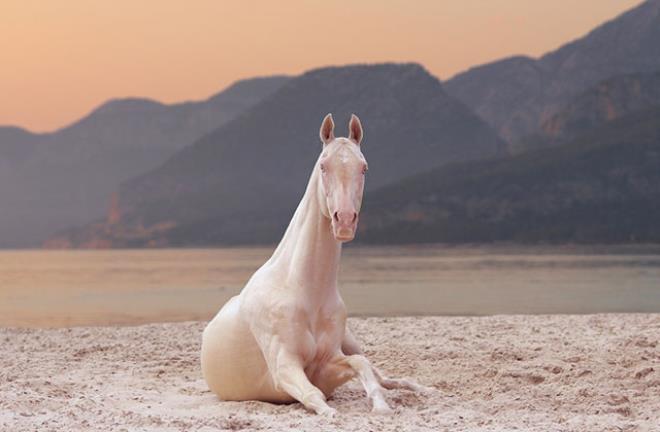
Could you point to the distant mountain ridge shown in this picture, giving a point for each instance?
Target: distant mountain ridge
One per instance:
(518, 94)
(241, 183)
(64, 178)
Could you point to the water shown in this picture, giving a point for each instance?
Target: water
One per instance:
(64, 288)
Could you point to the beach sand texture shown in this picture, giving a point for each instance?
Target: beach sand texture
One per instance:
(530, 373)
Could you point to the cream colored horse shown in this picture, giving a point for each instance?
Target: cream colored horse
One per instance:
(284, 337)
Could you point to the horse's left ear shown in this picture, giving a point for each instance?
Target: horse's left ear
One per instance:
(355, 129)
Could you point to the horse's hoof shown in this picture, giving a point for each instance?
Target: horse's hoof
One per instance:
(328, 412)
(382, 409)
(426, 389)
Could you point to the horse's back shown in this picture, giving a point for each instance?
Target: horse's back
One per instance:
(232, 363)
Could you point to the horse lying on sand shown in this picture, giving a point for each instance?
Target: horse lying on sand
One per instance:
(284, 337)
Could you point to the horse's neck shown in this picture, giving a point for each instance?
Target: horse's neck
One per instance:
(308, 253)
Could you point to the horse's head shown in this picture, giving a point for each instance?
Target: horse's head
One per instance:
(342, 168)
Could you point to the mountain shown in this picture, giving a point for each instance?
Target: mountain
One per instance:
(241, 183)
(602, 187)
(16, 146)
(518, 94)
(67, 177)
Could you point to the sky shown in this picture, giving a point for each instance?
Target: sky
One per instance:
(61, 59)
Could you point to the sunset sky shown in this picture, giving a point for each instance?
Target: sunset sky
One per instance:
(60, 59)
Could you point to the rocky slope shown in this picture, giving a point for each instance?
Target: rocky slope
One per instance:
(606, 101)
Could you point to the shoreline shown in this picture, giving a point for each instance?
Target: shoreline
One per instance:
(127, 322)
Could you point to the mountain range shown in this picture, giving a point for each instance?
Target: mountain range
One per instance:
(241, 182)
(52, 181)
(563, 148)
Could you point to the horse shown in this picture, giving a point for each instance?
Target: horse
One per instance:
(284, 337)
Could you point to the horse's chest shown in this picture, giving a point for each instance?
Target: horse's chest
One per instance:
(322, 342)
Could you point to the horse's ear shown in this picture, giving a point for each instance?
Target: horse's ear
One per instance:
(355, 129)
(327, 132)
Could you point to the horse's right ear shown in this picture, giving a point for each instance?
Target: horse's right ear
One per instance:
(327, 132)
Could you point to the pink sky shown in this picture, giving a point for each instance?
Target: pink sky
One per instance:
(60, 59)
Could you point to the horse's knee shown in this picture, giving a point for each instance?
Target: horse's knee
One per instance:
(358, 362)
(333, 375)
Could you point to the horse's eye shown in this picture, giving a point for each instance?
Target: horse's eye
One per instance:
(322, 168)
(364, 170)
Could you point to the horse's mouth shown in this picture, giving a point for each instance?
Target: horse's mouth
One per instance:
(344, 234)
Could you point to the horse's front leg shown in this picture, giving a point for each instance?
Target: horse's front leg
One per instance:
(370, 382)
(342, 368)
(289, 376)
(350, 346)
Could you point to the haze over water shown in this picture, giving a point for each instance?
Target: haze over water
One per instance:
(62, 288)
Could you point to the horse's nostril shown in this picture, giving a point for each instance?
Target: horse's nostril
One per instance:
(336, 216)
(354, 217)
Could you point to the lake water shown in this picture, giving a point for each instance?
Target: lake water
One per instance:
(64, 288)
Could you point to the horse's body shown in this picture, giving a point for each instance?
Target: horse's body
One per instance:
(284, 337)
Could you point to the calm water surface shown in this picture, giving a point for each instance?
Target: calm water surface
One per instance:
(61, 288)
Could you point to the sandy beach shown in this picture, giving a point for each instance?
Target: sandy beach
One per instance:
(530, 373)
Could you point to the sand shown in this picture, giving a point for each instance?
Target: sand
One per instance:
(529, 373)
